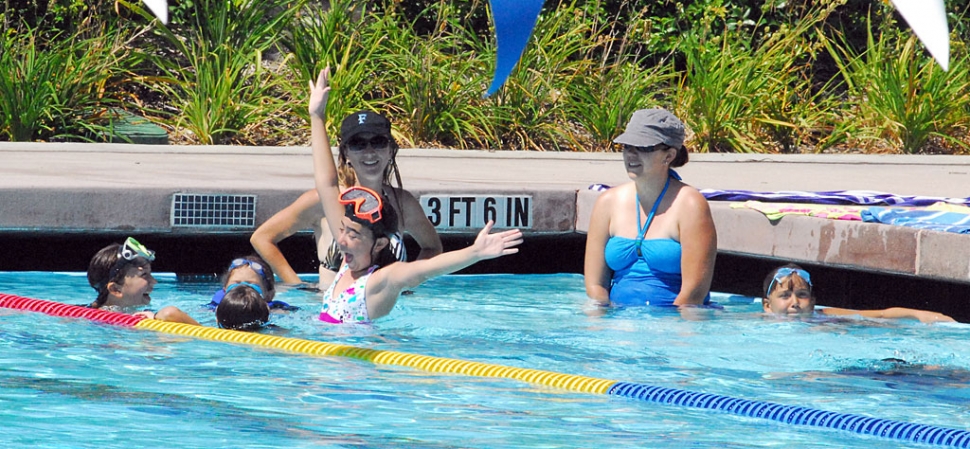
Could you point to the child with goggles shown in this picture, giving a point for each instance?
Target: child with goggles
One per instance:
(366, 158)
(122, 276)
(370, 280)
(788, 291)
(248, 290)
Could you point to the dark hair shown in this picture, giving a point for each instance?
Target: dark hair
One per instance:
(242, 308)
(385, 227)
(771, 276)
(106, 267)
(681, 158)
(269, 277)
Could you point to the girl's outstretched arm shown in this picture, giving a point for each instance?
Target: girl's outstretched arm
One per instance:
(324, 168)
(387, 283)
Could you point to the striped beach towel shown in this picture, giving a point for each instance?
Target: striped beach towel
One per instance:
(860, 197)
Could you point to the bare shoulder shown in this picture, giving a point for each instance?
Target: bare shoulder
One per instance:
(692, 198)
(614, 194)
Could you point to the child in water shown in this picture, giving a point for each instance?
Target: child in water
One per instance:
(122, 276)
(371, 278)
(788, 290)
(246, 297)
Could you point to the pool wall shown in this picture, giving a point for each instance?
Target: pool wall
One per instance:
(79, 193)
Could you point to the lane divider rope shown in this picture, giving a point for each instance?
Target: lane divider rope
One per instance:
(787, 414)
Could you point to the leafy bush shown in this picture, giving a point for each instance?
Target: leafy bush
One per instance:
(218, 83)
(61, 88)
(898, 94)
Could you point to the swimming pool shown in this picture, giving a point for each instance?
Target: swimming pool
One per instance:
(69, 382)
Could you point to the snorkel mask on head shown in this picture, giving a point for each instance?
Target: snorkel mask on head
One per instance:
(366, 207)
(131, 252)
(132, 249)
(128, 252)
(367, 204)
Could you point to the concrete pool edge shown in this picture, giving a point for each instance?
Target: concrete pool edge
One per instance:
(116, 189)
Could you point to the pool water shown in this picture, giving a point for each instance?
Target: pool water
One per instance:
(72, 383)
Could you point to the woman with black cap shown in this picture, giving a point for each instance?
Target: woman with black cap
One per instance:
(371, 279)
(651, 241)
(366, 158)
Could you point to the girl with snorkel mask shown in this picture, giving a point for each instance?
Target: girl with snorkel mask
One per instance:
(368, 283)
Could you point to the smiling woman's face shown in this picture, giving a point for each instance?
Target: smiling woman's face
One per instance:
(639, 161)
(369, 159)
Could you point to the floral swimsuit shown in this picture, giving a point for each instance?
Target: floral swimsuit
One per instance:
(350, 306)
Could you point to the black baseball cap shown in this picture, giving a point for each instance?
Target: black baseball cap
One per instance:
(364, 122)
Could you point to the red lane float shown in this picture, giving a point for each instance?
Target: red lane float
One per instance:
(67, 310)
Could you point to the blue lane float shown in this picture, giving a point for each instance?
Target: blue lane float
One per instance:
(787, 414)
(799, 416)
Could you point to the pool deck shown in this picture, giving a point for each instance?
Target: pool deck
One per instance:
(120, 188)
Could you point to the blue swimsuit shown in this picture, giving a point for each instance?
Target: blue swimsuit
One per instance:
(645, 272)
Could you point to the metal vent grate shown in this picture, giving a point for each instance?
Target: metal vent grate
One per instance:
(213, 211)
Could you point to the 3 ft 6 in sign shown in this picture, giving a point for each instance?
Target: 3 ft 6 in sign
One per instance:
(465, 211)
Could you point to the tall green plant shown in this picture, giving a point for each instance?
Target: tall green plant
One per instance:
(615, 81)
(61, 88)
(739, 95)
(896, 92)
(441, 102)
(347, 39)
(218, 81)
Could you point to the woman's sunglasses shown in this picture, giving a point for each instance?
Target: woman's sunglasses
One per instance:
(367, 203)
(358, 144)
(649, 149)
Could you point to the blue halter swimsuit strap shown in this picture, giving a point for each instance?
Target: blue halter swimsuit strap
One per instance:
(653, 210)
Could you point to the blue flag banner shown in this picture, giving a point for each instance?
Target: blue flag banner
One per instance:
(514, 21)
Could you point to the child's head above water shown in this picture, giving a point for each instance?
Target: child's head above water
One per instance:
(788, 290)
(122, 275)
(369, 222)
(243, 307)
(254, 270)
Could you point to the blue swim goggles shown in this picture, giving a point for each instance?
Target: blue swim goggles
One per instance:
(785, 272)
(256, 266)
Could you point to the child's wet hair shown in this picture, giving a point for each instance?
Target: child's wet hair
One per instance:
(100, 271)
(242, 308)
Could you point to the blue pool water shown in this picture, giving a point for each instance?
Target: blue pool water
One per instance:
(72, 383)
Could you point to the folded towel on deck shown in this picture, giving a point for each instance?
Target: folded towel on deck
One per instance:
(863, 197)
(775, 211)
(932, 220)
